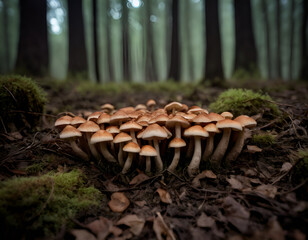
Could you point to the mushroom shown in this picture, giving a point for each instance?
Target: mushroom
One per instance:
(102, 120)
(177, 144)
(201, 119)
(121, 138)
(62, 122)
(102, 137)
(107, 108)
(197, 132)
(197, 110)
(131, 127)
(131, 148)
(140, 107)
(94, 116)
(155, 132)
(173, 107)
(148, 151)
(226, 125)
(89, 128)
(246, 122)
(77, 121)
(227, 115)
(177, 122)
(212, 130)
(119, 117)
(151, 104)
(71, 133)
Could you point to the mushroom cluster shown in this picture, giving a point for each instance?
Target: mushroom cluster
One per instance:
(145, 132)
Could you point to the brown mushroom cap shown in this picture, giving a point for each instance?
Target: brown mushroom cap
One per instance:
(103, 118)
(177, 120)
(113, 129)
(159, 119)
(130, 126)
(177, 143)
(119, 116)
(246, 121)
(201, 119)
(131, 147)
(140, 106)
(65, 120)
(101, 136)
(127, 109)
(148, 151)
(227, 115)
(215, 117)
(228, 123)
(107, 106)
(211, 128)
(195, 131)
(77, 120)
(119, 202)
(151, 103)
(173, 106)
(197, 110)
(122, 137)
(70, 132)
(88, 126)
(94, 116)
(154, 131)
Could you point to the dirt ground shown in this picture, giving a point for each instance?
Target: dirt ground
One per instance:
(259, 196)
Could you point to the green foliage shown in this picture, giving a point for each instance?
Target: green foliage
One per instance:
(301, 168)
(243, 101)
(264, 139)
(43, 204)
(22, 94)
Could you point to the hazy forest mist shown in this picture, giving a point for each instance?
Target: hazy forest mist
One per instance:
(157, 40)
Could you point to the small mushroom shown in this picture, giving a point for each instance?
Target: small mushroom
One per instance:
(178, 123)
(212, 130)
(77, 121)
(131, 148)
(71, 133)
(227, 115)
(131, 127)
(151, 104)
(148, 151)
(121, 138)
(177, 144)
(62, 122)
(107, 108)
(102, 120)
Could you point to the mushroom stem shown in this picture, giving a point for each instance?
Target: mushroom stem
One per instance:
(104, 150)
(175, 160)
(148, 164)
(78, 151)
(128, 163)
(222, 146)
(158, 161)
(209, 147)
(93, 150)
(132, 134)
(193, 166)
(237, 148)
(120, 154)
(190, 148)
(178, 131)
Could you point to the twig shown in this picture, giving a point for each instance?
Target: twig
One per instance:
(10, 93)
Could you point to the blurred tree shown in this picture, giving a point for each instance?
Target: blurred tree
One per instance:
(213, 63)
(290, 77)
(304, 68)
(32, 57)
(175, 67)
(267, 35)
(278, 55)
(126, 73)
(77, 62)
(245, 48)
(6, 62)
(95, 41)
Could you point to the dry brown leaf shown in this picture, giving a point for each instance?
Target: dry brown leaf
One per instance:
(164, 196)
(141, 177)
(119, 202)
(267, 190)
(81, 234)
(235, 184)
(140, 203)
(286, 167)
(161, 229)
(100, 227)
(253, 149)
(135, 223)
(110, 186)
(203, 174)
(205, 221)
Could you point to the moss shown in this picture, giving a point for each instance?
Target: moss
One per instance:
(301, 168)
(31, 205)
(19, 96)
(243, 101)
(264, 139)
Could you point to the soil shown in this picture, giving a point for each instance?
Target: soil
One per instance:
(259, 196)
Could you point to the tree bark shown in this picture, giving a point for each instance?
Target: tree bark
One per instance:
(245, 47)
(32, 57)
(304, 71)
(126, 73)
(174, 72)
(77, 62)
(278, 60)
(95, 42)
(6, 36)
(213, 63)
(267, 34)
(108, 26)
(292, 40)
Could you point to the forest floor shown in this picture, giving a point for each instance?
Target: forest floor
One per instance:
(262, 195)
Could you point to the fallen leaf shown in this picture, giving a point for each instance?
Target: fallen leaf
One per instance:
(286, 167)
(141, 177)
(267, 190)
(101, 227)
(135, 223)
(203, 174)
(140, 203)
(273, 231)
(16, 135)
(253, 149)
(235, 184)
(236, 214)
(164, 196)
(116, 231)
(110, 186)
(205, 221)
(119, 202)
(161, 229)
(81, 234)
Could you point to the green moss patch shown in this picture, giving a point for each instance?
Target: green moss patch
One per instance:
(41, 205)
(243, 101)
(263, 139)
(301, 168)
(20, 97)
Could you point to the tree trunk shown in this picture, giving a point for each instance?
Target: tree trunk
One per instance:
(6, 36)
(245, 47)
(174, 72)
(304, 71)
(77, 62)
(95, 42)
(292, 39)
(278, 60)
(267, 34)
(32, 57)
(213, 63)
(109, 40)
(126, 73)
